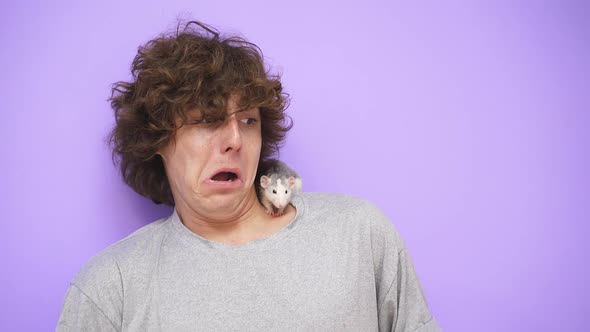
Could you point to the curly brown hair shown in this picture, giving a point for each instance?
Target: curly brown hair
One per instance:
(192, 68)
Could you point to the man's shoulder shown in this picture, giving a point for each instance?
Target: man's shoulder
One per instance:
(338, 202)
(109, 265)
(352, 212)
(143, 234)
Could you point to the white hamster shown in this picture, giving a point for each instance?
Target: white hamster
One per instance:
(278, 184)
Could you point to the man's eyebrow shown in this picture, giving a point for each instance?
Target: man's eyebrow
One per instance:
(252, 109)
(195, 113)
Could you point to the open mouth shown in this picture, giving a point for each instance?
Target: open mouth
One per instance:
(225, 176)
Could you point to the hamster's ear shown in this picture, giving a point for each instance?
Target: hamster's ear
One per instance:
(291, 182)
(264, 181)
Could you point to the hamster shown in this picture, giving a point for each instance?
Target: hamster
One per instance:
(277, 185)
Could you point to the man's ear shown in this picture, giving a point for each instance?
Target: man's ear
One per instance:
(158, 153)
(264, 181)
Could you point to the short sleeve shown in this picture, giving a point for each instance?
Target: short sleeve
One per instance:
(405, 307)
(94, 299)
(401, 302)
(80, 313)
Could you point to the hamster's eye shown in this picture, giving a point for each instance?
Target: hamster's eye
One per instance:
(274, 191)
(285, 191)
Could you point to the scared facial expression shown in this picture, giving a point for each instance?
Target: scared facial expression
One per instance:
(213, 164)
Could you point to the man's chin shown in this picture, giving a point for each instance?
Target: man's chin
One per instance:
(225, 204)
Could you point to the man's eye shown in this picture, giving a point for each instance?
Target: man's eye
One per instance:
(249, 121)
(209, 120)
(206, 121)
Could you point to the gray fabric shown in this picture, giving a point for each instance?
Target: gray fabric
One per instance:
(339, 265)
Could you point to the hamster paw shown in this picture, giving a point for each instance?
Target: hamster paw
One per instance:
(274, 214)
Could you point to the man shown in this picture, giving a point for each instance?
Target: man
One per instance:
(191, 130)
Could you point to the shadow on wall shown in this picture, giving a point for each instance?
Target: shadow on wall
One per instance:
(128, 211)
(148, 211)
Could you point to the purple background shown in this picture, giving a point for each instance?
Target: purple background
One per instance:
(467, 122)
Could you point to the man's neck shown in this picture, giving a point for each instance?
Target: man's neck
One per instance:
(256, 229)
(253, 224)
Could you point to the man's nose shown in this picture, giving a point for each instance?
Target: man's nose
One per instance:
(231, 136)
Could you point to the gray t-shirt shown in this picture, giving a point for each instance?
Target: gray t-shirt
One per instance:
(339, 265)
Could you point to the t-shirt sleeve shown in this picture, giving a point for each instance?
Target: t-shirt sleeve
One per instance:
(404, 307)
(401, 302)
(94, 298)
(80, 313)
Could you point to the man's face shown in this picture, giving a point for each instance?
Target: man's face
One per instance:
(212, 166)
